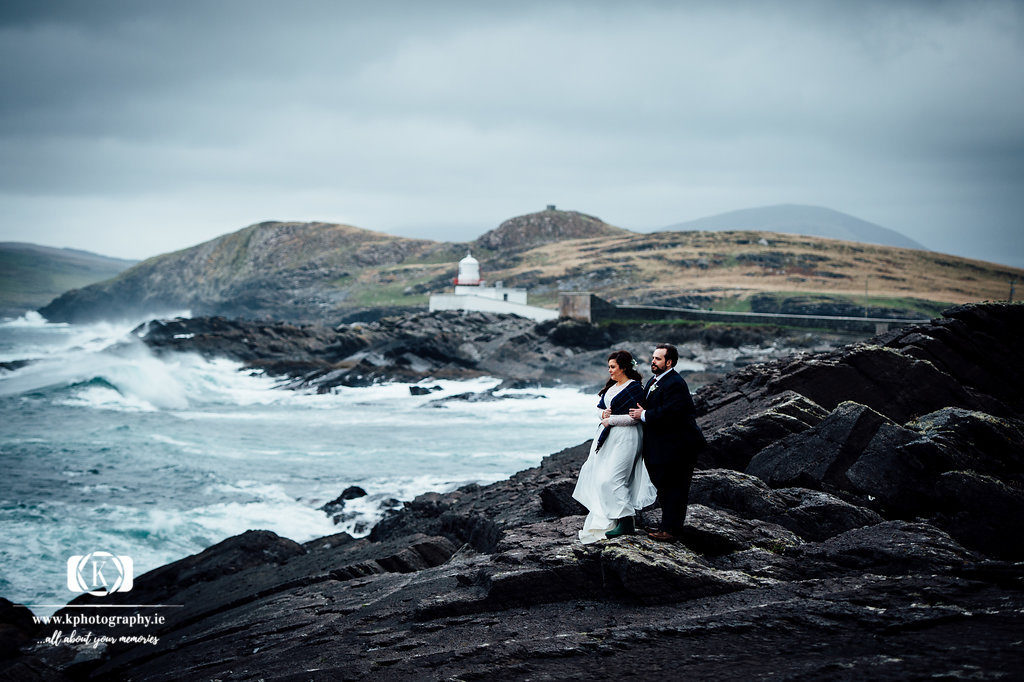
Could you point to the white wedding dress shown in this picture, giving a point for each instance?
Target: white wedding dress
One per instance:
(613, 482)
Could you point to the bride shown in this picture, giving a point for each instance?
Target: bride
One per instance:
(614, 482)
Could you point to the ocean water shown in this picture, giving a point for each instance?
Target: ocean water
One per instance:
(106, 447)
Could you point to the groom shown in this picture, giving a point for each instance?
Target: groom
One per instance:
(672, 439)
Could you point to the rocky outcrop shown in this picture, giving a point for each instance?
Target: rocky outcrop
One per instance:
(859, 541)
(535, 229)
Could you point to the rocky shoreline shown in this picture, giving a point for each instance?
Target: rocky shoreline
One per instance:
(858, 514)
(455, 345)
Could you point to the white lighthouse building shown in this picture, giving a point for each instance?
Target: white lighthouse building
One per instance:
(472, 294)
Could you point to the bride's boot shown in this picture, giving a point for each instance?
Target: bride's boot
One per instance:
(623, 526)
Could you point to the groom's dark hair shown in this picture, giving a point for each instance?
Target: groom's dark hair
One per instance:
(671, 354)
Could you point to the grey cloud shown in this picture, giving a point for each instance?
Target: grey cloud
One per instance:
(420, 115)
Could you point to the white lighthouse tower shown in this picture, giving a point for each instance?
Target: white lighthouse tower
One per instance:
(469, 272)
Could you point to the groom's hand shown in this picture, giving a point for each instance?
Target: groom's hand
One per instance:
(635, 412)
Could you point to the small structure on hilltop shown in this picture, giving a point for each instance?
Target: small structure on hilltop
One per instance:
(472, 294)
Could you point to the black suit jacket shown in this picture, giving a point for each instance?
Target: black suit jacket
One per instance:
(672, 438)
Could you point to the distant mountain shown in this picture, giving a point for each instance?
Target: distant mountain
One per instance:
(812, 221)
(31, 275)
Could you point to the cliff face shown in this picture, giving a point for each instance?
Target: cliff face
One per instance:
(858, 515)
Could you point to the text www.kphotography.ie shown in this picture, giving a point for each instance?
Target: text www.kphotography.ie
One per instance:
(76, 619)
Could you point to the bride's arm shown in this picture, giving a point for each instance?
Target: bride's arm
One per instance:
(619, 420)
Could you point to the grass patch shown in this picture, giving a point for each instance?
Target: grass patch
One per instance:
(380, 295)
(732, 304)
(911, 307)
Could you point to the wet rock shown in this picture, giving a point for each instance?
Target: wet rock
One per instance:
(821, 455)
(576, 334)
(480, 397)
(896, 468)
(810, 514)
(899, 386)
(891, 547)
(12, 365)
(338, 504)
(975, 440)
(714, 532)
(651, 571)
(734, 445)
(740, 493)
(817, 516)
(556, 498)
(982, 512)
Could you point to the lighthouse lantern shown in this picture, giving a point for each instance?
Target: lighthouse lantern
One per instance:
(469, 271)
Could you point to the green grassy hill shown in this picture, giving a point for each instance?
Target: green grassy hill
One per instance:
(31, 275)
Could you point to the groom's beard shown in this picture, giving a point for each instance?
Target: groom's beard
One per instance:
(657, 370)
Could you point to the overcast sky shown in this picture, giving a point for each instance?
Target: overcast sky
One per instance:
(133, 128)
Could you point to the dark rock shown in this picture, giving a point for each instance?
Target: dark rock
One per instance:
(896, 467)
(891, 547)
(228, 557)
(811, 514)
(821, 455)
(975, 440)
(982, 512)
(423, 390)
(556, 498)
(713, 532)
(898, 386)
(576, 334)
(653, 572)
(16, 628)
(817, 516)
(734, 445)
(742, 494)
(338, 503)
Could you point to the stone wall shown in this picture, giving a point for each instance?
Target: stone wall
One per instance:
(591, 308)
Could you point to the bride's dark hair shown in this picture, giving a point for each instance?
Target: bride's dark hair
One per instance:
(624, 360)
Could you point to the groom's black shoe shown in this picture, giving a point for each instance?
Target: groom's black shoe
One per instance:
(623, 527)
(663, 536)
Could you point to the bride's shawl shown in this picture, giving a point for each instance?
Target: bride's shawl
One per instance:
(631, 394)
